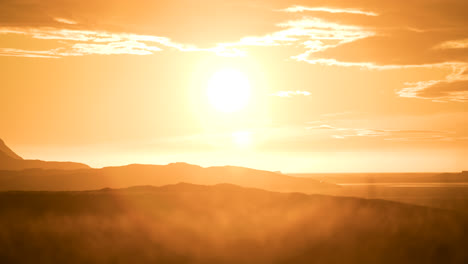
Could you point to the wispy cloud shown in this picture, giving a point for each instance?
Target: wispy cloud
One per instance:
(371, 65)
(297, 8)
(65, 21)
(123, 47)
(86, 42)
(453, 44)
(453, 88)
(321, 127)
(290, 93)
(386, 134)
(28, 53)
(312, 34)
(437, 91)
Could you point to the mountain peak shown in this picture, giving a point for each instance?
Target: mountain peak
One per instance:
(183, 165)
(4, 149)
(9, 160)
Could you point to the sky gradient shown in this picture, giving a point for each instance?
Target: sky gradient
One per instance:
(336, 86)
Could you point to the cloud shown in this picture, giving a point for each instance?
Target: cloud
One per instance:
(386, 134)
(453, 44)
(320, 126)
(87, 42)
(49, 33)
(395, 47)
(312, 34)
(65, 21)
(337, 136)
(370, 35)
(438, 91)
(400, 37)
(453, 88)
(124, 47)
(27, 53)
(76, 42)
(290, 93)
(296, 8)
(369, 65)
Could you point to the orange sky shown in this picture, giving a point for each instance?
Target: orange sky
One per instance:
(335, 85)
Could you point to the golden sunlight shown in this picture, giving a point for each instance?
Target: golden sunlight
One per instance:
(183, 131)
(228, 90)
(242, 138)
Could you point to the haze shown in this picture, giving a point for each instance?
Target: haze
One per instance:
(311, 86)
(234, 131)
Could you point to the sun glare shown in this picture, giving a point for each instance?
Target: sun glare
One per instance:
(242, 138)
(228, 90)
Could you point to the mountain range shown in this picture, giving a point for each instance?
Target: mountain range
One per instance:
(19, 174)
(66, 212)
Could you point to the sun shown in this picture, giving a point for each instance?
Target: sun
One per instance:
(228, 90)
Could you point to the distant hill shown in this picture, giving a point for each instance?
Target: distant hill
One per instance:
(452, 177)
(9, 160)
(343, 178)
(186, 223)
(19, 174)
(130, 175)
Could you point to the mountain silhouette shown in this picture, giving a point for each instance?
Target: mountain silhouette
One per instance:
(19, 174)
(225, 223)
(157, 175)
(5, 151)
(9, 160)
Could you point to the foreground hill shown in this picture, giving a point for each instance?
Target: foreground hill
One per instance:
(9, 160)
(187, 223)
(131, 175)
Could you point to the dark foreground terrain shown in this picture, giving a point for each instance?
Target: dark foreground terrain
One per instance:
(187, 223)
